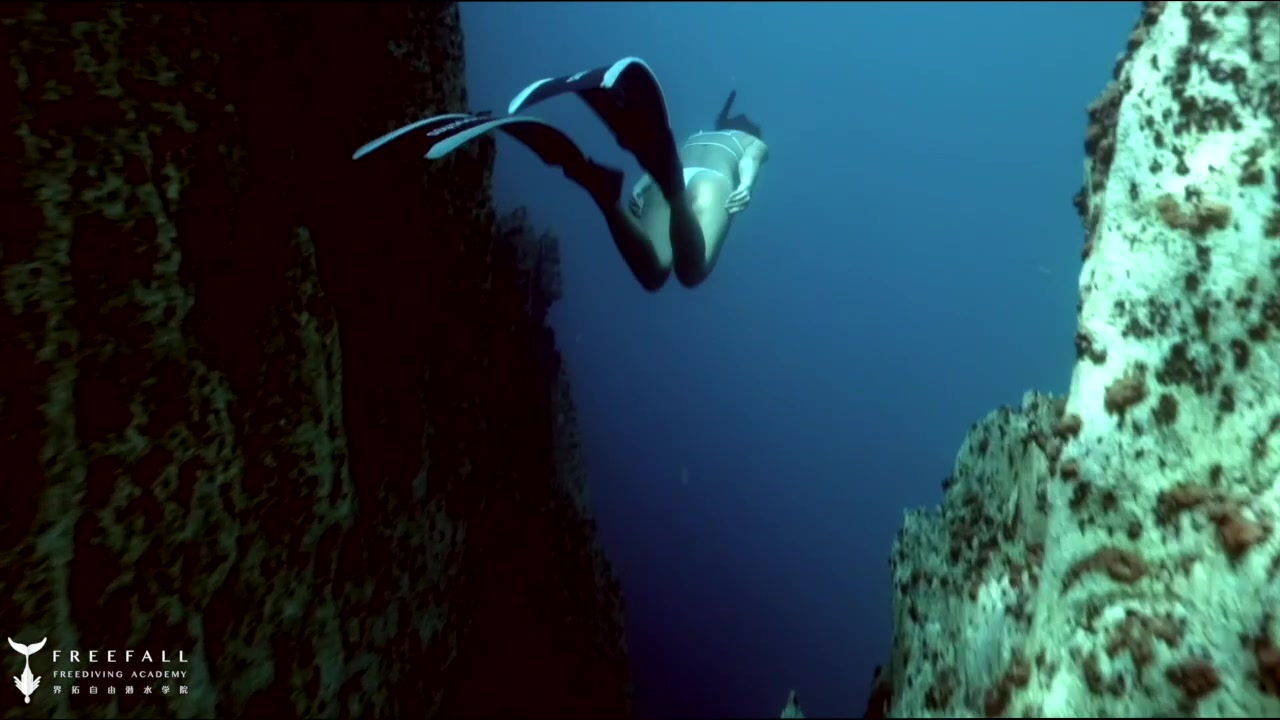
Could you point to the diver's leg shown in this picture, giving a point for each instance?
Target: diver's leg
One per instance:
(698, 234)
(655, 222)
(648, 256)
(649, 261)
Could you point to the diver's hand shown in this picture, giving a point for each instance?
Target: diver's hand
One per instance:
(738, 200)
(635, 206)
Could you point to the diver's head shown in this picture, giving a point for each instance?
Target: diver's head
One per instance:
(736, 122)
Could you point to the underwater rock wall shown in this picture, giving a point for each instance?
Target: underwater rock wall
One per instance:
(296, 416)
(966, 576)
(1118, 555)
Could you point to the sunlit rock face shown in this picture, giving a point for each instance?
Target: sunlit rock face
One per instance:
(1115, 553)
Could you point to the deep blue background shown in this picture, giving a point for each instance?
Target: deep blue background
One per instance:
(908, 264)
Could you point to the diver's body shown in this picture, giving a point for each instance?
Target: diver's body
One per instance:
(679, 214)
(680, 211)
(719, 170)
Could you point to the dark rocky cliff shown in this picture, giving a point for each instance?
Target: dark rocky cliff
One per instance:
(297, 416)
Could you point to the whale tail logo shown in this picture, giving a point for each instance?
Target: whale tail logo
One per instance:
(27, 683)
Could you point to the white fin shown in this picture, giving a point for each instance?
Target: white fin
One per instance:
(399, 133)
(449, 144)
(518, 101)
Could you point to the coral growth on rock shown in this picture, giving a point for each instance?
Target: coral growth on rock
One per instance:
(298, 417)
(1115, 553)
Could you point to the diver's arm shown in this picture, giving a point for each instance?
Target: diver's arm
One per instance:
(749, 166)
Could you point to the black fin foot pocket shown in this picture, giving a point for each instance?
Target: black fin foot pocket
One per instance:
(602, 182)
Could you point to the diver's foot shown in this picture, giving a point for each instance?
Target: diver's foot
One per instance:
(659, 157)
(631, 103)
(602, 182)
(651, 142)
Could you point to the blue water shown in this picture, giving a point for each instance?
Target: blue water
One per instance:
(909, 263)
